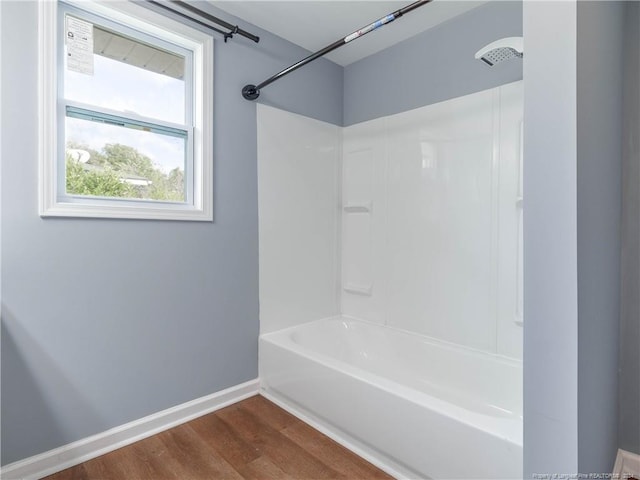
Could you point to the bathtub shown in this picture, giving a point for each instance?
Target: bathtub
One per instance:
(415, 406)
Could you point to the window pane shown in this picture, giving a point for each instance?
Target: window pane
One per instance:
(130, 76)
(105, 160)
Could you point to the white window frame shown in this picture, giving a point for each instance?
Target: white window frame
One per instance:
(54, 201)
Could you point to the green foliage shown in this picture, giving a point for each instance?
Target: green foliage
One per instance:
(95, 183)
(109, 173)
(127, 159)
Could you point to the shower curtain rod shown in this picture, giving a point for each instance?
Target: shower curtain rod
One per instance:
(251, 92)
(233, 29)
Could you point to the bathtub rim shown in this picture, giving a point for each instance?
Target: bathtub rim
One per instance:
(516, 362)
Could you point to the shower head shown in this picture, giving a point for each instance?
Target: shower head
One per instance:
(501, 50)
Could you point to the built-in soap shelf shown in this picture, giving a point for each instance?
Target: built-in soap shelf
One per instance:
(358, 289)
(358, 207)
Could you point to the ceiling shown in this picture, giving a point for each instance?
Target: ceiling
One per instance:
(315, 24)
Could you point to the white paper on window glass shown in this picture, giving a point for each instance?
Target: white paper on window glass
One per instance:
(79, 40)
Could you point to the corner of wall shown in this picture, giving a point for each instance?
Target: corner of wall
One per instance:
(599, 112)
(629, 382)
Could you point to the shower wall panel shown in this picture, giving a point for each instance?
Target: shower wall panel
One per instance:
(431, 220)
(298, 209)
(363, 235)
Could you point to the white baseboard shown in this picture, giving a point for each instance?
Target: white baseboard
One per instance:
(74, 453)
(627, 465)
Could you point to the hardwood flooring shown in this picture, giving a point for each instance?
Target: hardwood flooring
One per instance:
(252, 439)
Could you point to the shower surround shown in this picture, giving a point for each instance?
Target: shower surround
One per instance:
(406, 230)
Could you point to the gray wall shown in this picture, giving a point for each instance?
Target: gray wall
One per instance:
(433, 66)
(106, 321)
(629, 423)
(599, 88)
(550, 227)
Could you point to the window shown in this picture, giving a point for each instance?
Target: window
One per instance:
(126, 113)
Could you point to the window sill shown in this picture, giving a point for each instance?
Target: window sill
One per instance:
(138, 212)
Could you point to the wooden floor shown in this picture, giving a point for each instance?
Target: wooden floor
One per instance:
(252, 439)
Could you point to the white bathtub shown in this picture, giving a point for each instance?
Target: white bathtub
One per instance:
(418, 407)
